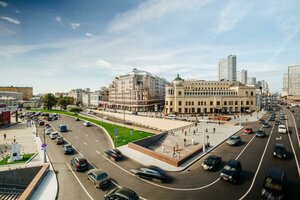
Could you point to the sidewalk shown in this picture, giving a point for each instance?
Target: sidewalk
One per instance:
(29, 143)
(222, 132)
(249, 117)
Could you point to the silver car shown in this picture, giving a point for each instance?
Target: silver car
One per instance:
(234, 140)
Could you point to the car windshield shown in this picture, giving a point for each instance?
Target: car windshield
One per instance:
(209, 161)
(102, 176)
(68, 147)
(272, 185)
(229, 168)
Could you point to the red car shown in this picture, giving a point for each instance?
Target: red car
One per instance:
(41, 123)
(248, 130)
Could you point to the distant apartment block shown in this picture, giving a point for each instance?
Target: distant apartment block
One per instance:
(242, 76)
(78, 93)
(285, 85)
(227, 68)
(294, 80)
(197, 97)
(27, 92)
(137, 91)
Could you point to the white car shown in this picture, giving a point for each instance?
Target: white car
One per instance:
(48, 131)
(87, 123)
(282, 129)
(53, 135)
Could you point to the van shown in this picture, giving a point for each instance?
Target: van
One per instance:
(273, 184)
(281, 128)
(63, 128)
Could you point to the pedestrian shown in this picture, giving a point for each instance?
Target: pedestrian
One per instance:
(14, 139)
(173, 151)
(194, 133)
(184, 133)
(178, 154)
(4, 136)
(184, 141)
(163, 148)
(206, 130)
(193, 141)
(214, 130)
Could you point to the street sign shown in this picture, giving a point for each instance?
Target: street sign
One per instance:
(44, 145)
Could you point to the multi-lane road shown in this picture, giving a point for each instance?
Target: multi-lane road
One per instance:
(255, 155)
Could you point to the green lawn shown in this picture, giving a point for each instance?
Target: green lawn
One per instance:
(25, 158)
(124, 136)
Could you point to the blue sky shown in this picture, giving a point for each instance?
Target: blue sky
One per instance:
(58, 45)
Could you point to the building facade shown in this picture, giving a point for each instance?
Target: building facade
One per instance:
(241, 76)
(227, 68)
(137, 91)
(77, 94)
(294, 80)
(203, 97)
(285, 85)
(27, 92)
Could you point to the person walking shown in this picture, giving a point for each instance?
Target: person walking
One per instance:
(173, 151)
(214, 130)
(163, 148)
(184, 141)
(4, 135)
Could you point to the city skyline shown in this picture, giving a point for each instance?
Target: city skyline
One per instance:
(55, 47)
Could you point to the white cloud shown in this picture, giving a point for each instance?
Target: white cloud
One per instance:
(152, 10)
(58, 19)
(11, 20)
(89, 35)
(3, 4)
(233, 13)
(74, 25)
(17, 11)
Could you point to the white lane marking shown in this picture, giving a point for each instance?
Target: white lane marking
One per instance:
(261, 159)
(296, 159)
(247, 145)
(85, 143)
(98, 152)
(80, 182)
(97, 141)
(170, 188)
(295, 127)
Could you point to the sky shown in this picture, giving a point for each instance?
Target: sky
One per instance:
(59, 45)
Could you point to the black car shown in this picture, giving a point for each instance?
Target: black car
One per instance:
(211, 162)
(277, 122)
(68, 149)
(121, 193)
(279, 151)
(273, 185)
(80, 164)
(114, 154)
(151, 172)
(260, 133)
(231, 171)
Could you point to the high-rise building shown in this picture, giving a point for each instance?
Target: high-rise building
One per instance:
(227, 68)
(285, 85)
(137, 91)
(241, 76)
(294, 80)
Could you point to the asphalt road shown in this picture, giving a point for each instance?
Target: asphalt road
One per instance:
(255, 155)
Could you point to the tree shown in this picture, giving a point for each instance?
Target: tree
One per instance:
(63, 102)
(48, 101)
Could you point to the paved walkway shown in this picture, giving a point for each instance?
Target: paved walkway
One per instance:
(150, 122)
(221, 133)
(29, 143)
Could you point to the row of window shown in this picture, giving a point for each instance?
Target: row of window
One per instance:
(202, 110)
(209, 93)
(211, 103)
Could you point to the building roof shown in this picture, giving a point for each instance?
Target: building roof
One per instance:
(178, 78)
(7, 98)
